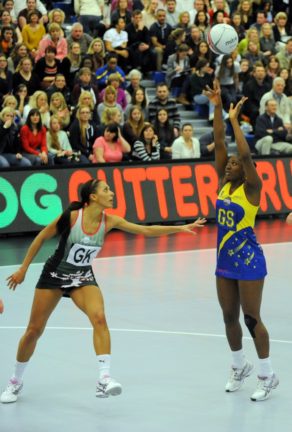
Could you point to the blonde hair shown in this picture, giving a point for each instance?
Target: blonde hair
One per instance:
(82, 127)
(108, 114)
(81, 97)
(34, 98)
(109, 90)
(137, 127)
(280, 15)
(8, 99)
(90, 48)
(5, 111)
(63, 102)
(51, 14)
(54, 26)
(55, 143)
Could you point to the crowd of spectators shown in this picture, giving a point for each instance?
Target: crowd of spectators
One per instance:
(71, 87)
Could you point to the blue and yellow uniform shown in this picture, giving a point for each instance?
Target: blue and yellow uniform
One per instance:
(239, 256)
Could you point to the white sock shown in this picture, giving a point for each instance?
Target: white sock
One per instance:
(104, 363)
(265, 367)
(238, 359)
(19, 369)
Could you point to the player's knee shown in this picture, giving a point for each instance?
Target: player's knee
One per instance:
(33, 333)
(250, 323)
(230, 318)
(98, 319)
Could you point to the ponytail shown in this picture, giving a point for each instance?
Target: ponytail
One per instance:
(63, 224)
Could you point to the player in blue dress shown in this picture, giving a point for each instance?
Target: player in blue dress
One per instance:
(241, 266)
(82, 229)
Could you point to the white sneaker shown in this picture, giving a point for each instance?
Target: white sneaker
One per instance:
(237, 377)
(11, 392)
(108, 387)
(264, 387)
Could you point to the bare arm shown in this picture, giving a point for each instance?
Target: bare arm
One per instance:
(47, 233)
(289, 219)
(154, 230)
(253, 183)
(221, 157)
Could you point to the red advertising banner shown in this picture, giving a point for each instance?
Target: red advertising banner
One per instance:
(145, 193)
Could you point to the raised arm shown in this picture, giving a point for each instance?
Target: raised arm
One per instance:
(221, 157)
(253, 183)
(47, 233)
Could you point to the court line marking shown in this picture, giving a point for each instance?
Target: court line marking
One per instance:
(156, 253)
(163, 332)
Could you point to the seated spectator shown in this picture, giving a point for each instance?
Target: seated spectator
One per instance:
(109, 101)
(227, 74)
(159, 33)
(39, 102)
(48, 67)
(55, 39)
(10, 150)
(33, 140)
(8, 6)
(58, 144)
(116, 41)
(141, 55)
(251, 35)
(110, 67)
(57, 16)
(244, 74)
(111, 146)
(184, 22)
(110, 115)
(171, 13)
(270, 132)
(246, 13)
(267, 42)
(283, 103)
(162, 100)
(203, 51)
(84, 84)
(273, 67)
(186, 146)
(96, 51)
(133, 126)
(147, 147)
(178, 68)
(59, 109)
(258, 84)
(5, 78)
(82, 134)
(138, 99)
(198, 82)
(193, 39)
(164, 130)
(7, 40)
(59, 85)
(33, 32)
(134, 77)
(202, 22)
(115, 81)
(207, 145)
(287, 77)
(149, 16)
(22, 97)
(18, 52)
(7, 21)
(281, 29)
(24, 74)
(77, 35)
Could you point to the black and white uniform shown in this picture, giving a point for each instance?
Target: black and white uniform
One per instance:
(70, 265)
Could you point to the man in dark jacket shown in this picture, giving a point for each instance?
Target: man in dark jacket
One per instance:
(270, 133)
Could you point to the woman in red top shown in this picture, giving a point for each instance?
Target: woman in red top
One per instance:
(111, 146)
(33, 140)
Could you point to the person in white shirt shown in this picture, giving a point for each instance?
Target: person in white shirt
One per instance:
(186, 146)
(184, 5)
(90, 14)
(172, 14)
(116, 40)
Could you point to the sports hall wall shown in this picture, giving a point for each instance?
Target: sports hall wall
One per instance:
(145, 193)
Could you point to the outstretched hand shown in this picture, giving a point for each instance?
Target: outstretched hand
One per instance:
(199, 223)
(234, 111)
(214, 94)
(16, 278)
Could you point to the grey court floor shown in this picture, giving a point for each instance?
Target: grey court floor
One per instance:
(169, 351)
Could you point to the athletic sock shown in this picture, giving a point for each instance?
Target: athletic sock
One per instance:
(265, 367)
(238, 359)
(19, 369)
(104, 363)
